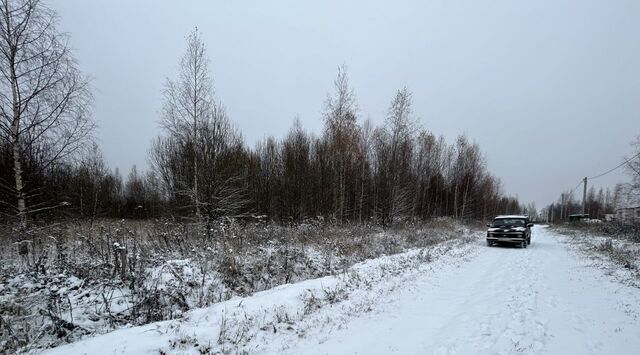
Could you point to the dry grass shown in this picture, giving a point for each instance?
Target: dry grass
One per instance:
(60, 282)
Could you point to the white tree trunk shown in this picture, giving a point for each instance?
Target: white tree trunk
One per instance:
(15, 147)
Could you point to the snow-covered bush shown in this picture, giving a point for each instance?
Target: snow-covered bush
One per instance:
(61, 282)
(620, 230)
(616, 243)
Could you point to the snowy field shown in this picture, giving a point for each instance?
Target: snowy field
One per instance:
(452, 298)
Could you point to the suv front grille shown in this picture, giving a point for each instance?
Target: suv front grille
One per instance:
(506, 235)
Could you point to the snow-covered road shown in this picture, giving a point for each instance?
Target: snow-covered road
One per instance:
(543, 299)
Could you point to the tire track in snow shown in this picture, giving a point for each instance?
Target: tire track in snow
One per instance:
(507, 303)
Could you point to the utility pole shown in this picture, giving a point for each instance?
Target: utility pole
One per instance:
(562, 206)
(584, 197)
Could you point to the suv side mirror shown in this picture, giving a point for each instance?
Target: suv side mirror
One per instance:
(529, 225)
(488, 224)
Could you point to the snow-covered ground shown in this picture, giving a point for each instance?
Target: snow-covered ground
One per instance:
(617, 255)
(453, 298)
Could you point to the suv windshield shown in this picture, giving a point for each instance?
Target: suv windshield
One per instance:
(511, 222)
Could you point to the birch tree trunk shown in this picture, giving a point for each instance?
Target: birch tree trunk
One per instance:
(47, 111)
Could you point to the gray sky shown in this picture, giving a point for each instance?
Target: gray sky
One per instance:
(549, 89)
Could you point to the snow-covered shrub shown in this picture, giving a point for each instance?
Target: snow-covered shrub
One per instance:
(616, 243)
(620, 230)
(61, 282)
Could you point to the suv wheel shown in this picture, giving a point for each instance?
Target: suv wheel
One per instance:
(523, 244)
(489, 243)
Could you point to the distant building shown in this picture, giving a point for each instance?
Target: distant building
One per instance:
(628, 205)
(628, 214)
(578, 217)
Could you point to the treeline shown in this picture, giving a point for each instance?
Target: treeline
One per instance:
(601, 202)
(201, 169)
(598, 203)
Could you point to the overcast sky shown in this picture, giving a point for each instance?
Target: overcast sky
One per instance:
(549, 89)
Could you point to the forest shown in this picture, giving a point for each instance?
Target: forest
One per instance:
(200, 169)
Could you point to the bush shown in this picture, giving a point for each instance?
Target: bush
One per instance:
(60, 282)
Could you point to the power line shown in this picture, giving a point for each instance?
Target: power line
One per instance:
(583, 181)
(610, 170)
(572, 190)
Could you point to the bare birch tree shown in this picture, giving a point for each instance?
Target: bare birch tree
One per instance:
(633, 170)
(201, 156)
(189, 104)
(401, 125)
(44, 99)
(342, 133)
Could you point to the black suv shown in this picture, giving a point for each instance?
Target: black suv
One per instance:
(510, 229)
